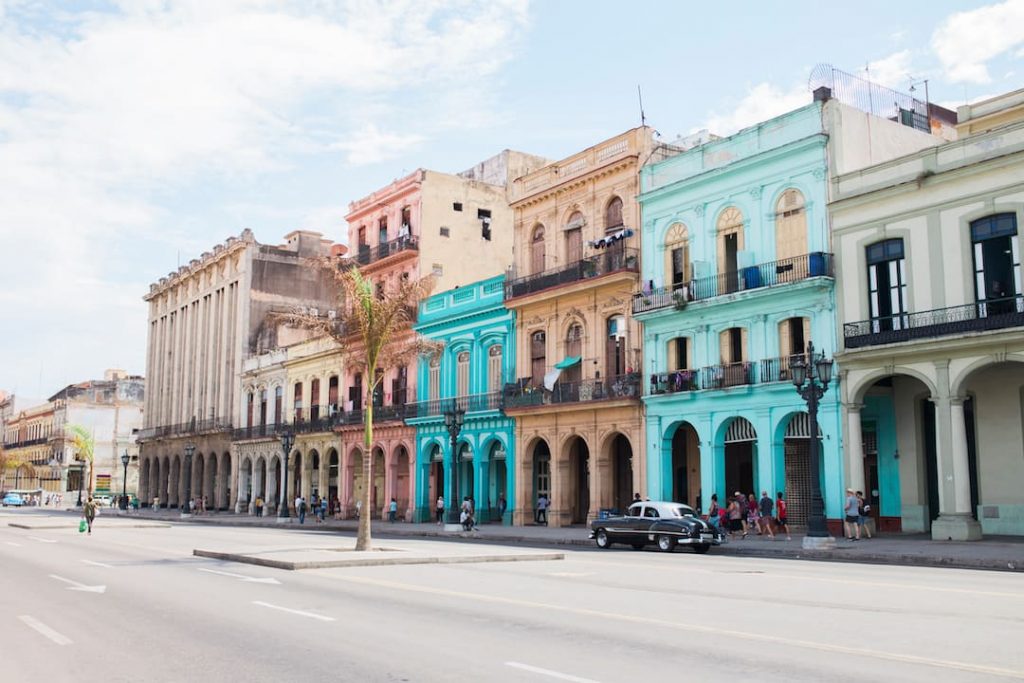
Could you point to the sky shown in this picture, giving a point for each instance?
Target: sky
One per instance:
(136, 135)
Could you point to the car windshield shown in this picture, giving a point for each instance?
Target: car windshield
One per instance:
(683, 511)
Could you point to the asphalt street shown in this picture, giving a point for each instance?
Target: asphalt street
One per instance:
(133, 604)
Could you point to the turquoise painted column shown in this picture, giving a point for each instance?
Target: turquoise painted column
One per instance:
(485, 499)
(655, 461)
(712, 462)
(765, 453)
(833, 489)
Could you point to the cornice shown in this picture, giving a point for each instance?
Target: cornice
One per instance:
(220, 252)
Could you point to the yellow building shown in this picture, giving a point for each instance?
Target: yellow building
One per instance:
(579, 419)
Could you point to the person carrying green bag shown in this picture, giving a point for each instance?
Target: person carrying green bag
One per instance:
(89, 512)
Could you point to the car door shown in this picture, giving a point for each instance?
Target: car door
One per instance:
(631, 523)
(648, 521)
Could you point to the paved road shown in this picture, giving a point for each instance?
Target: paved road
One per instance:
(163, 615)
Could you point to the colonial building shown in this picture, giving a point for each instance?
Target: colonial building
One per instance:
(256, 444)
(579, 437)
(457, 228)
(476, 363)
(738, 280)
(32, 454)
(932, 335)
(204, 320)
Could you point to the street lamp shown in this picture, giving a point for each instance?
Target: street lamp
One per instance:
(287, 439)
(124, 482)
(190, 450)
(81, 476)
(811, 380)
(453, 420)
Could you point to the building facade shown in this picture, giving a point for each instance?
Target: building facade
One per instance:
(579, 425)
(477, 361)
(204, 320)
(932, 328)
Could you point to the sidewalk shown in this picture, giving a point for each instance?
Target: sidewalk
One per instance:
(1003, 553)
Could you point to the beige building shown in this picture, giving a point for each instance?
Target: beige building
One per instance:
(931, 312)
(204, 320)
(579, 421)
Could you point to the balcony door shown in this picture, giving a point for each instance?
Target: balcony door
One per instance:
(537, 251)
(573, 348)
(887, 286)
(573, 245)
(996, 264)
(538, 358)
(615, 358)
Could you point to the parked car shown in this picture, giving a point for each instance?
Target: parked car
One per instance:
(103, 499)
(13, 499)
(663, 523)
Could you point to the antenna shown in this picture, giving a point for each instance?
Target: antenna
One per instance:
(640, 96)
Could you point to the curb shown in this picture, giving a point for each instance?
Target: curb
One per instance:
(374, 562)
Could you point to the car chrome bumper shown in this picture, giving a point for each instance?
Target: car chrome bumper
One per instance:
(706, 539)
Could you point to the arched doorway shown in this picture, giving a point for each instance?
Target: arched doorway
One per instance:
(144, 475)
(222, 491)
(740, 457)
(541, 474)
(273, 486)
(683, 477)
(313, 474)
(245, 483)
(796, 455)
(195, 484)
(435, 483)
(210, 483)
(578, 454)
(497, 480)
(621, 482)
(332, 479)
(377, 495)
(259, 480)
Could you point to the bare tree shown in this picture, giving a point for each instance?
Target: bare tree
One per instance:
(376, 318)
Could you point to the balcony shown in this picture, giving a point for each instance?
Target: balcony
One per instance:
(365, 254)
(584, 391)
(25, 443)
(475, 403)
(192, 427)
(723, 376)
(983, 316)
(610, 261)
(263, 431)
(773, 274)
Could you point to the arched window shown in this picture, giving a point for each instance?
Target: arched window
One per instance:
(574, 238)
(677, 257)
(538, 357)
(790, 228)
(537, 254)
(434, 379)
(462, 374)
(494, 369)
(730, 243)
(613, 215)
(615, 356)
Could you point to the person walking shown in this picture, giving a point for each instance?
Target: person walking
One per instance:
(713, 519)
(753, 516)
(392, 510)
(323, 510)
(765, 508)
(300, 508)
(852, 511)
(259, 506)
(466, 514)
(542, 509)
(502, 507)
(735, 511)
(863, 511)
(89, 512)
(439, 509)
(780, 514)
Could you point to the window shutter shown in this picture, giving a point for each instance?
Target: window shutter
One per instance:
(673, 353)
(723, 346)
(743, 344)
(785, 342)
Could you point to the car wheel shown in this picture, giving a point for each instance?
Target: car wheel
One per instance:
(602, 540)
(639, 546)
(701, 549)
(665, 543)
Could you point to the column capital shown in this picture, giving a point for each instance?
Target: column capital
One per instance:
(854, 407)
(957, 400)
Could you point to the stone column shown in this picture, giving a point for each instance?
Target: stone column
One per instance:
(523, 509)
(955, 522)
(854, 447)
(558, 513)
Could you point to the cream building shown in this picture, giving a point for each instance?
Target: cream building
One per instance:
(931, 313)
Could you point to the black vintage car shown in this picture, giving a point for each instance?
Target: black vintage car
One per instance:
(666, 524)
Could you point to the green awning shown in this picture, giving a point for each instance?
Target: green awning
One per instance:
(568, 362)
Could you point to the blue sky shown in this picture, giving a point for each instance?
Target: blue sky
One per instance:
(137, 134)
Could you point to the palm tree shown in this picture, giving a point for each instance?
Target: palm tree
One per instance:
(84, 444)
(376, 317)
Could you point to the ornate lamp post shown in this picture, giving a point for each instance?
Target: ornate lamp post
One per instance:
(190, 450)
(453, 420)
(125, 459)
(81, 476)
(811, 379)
(287, 439)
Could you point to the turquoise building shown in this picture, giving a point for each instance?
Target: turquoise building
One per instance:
(478, 359)
(738, 278)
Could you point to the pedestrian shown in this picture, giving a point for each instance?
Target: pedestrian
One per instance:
(780, 514)
(502, 507)
(753, 515)
(392, 510)
(713, 519)
(337, 507)
(259, 506)
(323, 510)
(439, 509)
(300, 508)
(852, 511)
(765, 508)
(359, 507)
(863, 511)
(89, 512)
(206, 503)
(735, 511)
(542, 509)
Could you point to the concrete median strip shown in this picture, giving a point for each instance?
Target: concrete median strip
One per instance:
(318, 558)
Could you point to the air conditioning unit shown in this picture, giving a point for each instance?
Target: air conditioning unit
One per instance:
(314, 311)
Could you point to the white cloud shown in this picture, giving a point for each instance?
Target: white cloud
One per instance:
(106, 114)
(892, 71)
(764, 101)
(966, 41)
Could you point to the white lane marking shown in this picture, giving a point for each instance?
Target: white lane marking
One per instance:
(75, 586)
(16, 545)
(293, 611)
(249, 579)
(42, 540)
(94, 563)
(548, 672)
(45, 630)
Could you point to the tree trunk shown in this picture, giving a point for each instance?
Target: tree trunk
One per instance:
(363, 538)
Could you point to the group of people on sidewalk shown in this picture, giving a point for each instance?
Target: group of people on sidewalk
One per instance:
(745, 513)
(317, 504)
(857, 511)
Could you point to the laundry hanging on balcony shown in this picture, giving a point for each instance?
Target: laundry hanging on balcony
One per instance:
(551, 377)
(609, 240)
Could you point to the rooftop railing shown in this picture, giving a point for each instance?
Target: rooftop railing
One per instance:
(772, 274)
(615, 258)
(982, 316)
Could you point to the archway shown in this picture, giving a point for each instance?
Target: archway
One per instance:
(497, 480)
(465, 460)
(223, 486)
(578, 454)
(245, 482)
(620, 455)
(209, 490)
(541, 459)
(143, 493)
(740, 456)
(174, 480)
(379, 473)
(195, 484)
(273, 485)
(796, 459)
(312, 475)
(435, 478)
(164, 490)
(332, 481)
(683, 477)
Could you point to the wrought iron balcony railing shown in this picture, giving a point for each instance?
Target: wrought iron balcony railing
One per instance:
(613, 259)
(982, 316)
(772, 274)
(475, 403)
(365, 254)
(727, 375)
(25, 443)
(264, 431)
(212, 425)
(723, 376)
(596, 389)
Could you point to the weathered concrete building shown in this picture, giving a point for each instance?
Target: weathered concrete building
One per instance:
(204, 320)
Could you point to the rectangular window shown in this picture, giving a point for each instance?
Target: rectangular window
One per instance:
(457, 206)
(437, 269)
(445, 232)
(887, 285)
(434, 381)
(462, 374)
(382, 230)
(494, 370)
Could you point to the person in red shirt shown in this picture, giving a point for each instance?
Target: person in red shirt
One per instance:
(780, 512)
